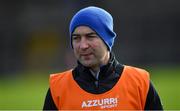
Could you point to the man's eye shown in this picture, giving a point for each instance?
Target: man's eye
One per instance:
(75, 37)
(92, 36)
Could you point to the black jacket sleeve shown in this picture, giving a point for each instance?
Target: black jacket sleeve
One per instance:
(153, 101)
(49, 103)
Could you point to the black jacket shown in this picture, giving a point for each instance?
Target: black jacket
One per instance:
(108, 77)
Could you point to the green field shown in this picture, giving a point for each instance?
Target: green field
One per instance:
(28, 92)
(167, 83)
(25, 92)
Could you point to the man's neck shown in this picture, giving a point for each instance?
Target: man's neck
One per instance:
(95, 74)
(96, 69)
(103, 62)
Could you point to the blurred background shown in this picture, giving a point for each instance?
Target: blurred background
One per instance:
(34, 42)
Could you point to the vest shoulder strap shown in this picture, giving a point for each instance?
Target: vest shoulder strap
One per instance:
(56, 82)
(141, 79)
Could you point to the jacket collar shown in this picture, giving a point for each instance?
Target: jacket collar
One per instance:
(105, 71)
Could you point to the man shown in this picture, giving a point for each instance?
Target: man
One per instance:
(99, 81)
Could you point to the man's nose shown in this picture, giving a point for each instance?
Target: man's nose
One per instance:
(84, 43)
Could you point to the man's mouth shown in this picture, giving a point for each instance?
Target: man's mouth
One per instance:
(85, 54)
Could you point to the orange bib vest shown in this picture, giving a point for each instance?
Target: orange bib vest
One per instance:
(129, 93)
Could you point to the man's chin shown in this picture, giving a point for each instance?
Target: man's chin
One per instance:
(87, 64)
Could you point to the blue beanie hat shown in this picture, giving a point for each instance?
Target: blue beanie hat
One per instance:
(98, 20)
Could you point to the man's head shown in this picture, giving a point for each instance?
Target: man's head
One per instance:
(92, 36)
(98, 20)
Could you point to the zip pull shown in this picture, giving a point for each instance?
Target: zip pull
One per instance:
(96, 83)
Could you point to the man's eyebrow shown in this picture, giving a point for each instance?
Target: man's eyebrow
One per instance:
(87, 34)
(91, 33)
(75, 34)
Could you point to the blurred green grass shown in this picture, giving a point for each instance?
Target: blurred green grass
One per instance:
(23, 92)
(28, 92)
(167, 82)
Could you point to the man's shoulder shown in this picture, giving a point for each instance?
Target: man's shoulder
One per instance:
(136, 72)
(137, 76)
(60, 75)
(136, 69)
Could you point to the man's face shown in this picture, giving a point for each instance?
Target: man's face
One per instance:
(88, 47)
